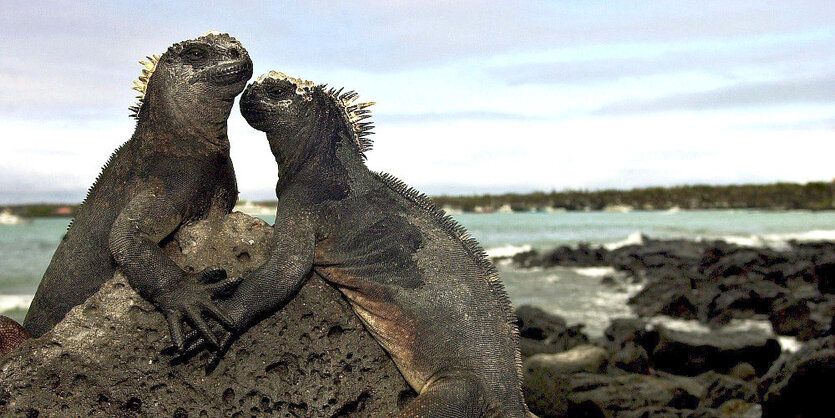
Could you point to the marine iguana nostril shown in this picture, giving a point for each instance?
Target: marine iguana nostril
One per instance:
(174, 169)
(421, 285)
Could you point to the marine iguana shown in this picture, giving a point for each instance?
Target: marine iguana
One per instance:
(421, 285)
(174, 169)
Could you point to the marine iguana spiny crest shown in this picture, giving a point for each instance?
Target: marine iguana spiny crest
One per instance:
(422, 286)
(174, 169)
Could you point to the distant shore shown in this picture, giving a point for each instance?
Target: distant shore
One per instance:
(813, 196)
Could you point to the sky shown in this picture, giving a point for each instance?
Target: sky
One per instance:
(472, 96)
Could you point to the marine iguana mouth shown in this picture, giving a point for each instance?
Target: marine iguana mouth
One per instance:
(229, 73)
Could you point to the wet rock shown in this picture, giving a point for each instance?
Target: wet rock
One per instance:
(805, 318)
(720, 389)
(825, 274)
(671, 295)
(603, 396)
(743, 371)
(544, 332)
(631, 358)
(528, 259)
(624, 330)
(313, 358)
(547, 377)
(692, 353)
(800, 384)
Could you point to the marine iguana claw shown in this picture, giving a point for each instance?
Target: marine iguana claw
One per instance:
(195, 343)
(192, 299)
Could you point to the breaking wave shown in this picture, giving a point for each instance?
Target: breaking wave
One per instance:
(507, 251)
(14, 302)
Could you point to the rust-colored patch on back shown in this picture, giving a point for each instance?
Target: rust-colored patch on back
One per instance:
(390, 325)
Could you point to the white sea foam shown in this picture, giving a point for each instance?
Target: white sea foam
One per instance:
(787, 344)
(780, 241)
(12, 302)
(507, 251)
(635, 238)
(594, 271)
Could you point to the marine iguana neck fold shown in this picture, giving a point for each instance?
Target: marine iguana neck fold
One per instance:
(314, 146)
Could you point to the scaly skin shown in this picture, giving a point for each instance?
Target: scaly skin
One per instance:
(419, 283)
(174, 169)
(11, 335)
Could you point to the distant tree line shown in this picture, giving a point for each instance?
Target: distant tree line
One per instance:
(37, 210)
(778, 196)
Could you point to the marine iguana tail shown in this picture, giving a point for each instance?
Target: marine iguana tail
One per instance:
(421, 285)
(174, 169)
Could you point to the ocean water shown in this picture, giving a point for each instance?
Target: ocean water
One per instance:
(575, 293)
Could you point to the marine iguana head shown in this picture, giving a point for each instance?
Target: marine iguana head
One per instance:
(302, 119)
(190, 89)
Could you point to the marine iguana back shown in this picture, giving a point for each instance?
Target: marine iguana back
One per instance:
(174, 169)
(421, 285)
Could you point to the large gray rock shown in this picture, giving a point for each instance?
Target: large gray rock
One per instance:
(312, 358)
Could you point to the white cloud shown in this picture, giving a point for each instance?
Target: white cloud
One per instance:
(471, 95)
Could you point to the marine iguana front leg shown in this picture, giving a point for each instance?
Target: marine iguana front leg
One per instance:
(134, 242)
(265, 290)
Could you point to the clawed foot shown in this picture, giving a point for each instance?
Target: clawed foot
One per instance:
(193, 298)
(195, 343)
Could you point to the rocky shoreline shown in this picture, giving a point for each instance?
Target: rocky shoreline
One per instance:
(640, 369)
(314, 358)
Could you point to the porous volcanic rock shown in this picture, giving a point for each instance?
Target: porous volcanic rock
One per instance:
(312, 358)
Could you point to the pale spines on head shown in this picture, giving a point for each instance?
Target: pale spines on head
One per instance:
(353, 115)
(141, 85)
(303, 87)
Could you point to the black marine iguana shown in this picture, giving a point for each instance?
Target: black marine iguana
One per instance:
(174, 169)
(421, 285)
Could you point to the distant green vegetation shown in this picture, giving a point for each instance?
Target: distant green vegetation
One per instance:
(42, 210)
(778, 196)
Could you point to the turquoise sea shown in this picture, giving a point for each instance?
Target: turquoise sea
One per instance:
(25, 251)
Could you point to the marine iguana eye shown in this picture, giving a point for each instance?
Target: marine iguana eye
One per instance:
(275, 91)
(195, 54)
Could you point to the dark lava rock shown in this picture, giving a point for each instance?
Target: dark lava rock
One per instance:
(722, 388)
(671, 295)
(547, 377)
(805, 318)
(544, 332)
(312, 358)
(625, 330)
(604, 396)
(800, 384)
(731, 409)
(530, 258)
(692, 353)
(825, 273)
(631, 358)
